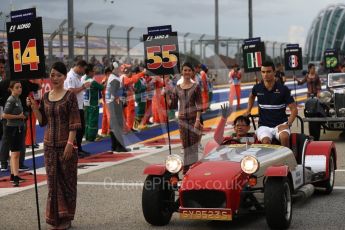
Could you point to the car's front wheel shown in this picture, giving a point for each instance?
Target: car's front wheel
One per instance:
(278, 202)
(157, 200)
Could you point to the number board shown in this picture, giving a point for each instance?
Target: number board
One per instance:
(331, 59)
(293, 58)
(162, 53)
(25, 49)
(253, 56)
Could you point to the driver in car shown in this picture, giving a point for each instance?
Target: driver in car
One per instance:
(241, 127)
(273, 98)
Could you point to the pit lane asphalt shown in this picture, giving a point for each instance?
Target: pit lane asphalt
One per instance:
(118, 206)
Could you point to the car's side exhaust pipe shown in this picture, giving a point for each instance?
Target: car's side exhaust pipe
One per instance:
(304, 192)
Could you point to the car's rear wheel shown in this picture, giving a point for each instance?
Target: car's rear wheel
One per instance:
(314, 130)
(157, 200)
(278, 202)
(329, 183)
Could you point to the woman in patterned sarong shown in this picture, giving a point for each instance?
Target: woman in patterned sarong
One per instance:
(188, 95)
(59, 111)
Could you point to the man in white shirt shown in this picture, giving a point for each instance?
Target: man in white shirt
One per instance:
(74, 84)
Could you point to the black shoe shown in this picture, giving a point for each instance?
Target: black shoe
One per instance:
(123, 149)
(21, 179)
(16, 180)
(23, 168)
(15, 183)
(4, 166)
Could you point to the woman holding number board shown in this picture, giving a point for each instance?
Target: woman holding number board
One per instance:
(59, 111)
(188, 94)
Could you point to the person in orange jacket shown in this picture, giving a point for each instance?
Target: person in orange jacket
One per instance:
(235, 85)
(150, 88)
(158, 102)
(129, 79)
(37, 95)
(105, 123)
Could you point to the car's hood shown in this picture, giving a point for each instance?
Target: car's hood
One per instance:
(221, 168)
(266, 154)
(219, 175)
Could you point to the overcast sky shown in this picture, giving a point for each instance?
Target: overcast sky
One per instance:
(279, 20)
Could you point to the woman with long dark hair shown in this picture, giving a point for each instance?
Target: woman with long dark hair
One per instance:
(59, 111)
(313, 81)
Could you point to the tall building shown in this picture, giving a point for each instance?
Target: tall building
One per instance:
(326, 31)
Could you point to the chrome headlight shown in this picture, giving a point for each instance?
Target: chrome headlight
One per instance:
(325, 97)
(173, 163)
(249, 164)
(332, 112)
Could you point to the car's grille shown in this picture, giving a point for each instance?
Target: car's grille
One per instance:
(204, 199)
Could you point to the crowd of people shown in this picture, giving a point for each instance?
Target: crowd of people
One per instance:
(138, 101)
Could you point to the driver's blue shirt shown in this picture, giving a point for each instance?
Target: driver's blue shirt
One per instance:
(272, 103)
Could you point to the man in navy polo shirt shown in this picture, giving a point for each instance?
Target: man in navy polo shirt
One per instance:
(273, 97)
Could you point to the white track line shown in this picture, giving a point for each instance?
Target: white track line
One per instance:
(107, 184)
(339, 187)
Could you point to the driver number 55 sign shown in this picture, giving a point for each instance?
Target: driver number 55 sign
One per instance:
(161, 53)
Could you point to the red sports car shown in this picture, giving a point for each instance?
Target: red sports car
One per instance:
(237, 178)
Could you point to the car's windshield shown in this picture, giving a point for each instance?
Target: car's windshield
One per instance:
(336, 79)
(236, 152)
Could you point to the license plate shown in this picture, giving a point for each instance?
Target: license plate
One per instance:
(205, 214)
(337, 125)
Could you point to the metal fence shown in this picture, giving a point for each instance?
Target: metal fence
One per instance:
(105, 42)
